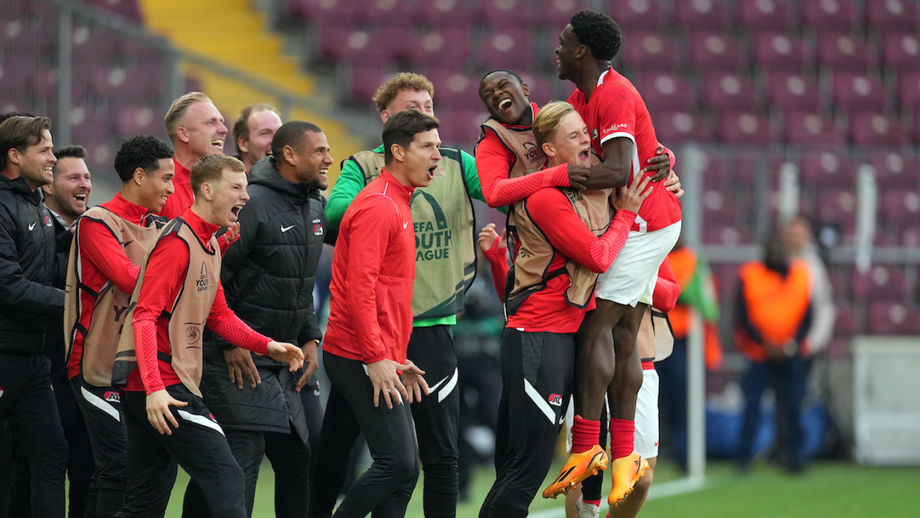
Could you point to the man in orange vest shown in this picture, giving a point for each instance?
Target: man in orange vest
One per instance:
(773, 316)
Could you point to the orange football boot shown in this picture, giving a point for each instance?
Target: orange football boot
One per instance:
(579, 467)
(625, 472)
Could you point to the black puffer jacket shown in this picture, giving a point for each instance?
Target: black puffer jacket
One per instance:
(268, 277)
(27, 264)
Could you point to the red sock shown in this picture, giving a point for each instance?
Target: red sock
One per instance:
(622, 437)
(592, 502)
(585, 434)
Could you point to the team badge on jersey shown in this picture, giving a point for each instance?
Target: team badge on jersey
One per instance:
(317, 228)
(555, 400)
(112, 396)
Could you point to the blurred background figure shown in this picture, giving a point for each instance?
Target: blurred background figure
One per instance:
(773, 317)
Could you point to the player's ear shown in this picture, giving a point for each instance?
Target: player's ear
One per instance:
(243, 144)
(289, 155)
(182, 134)
(139, 175)
(398, 152)
(548, 149)
(525, 89)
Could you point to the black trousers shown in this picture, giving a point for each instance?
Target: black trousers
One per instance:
(105, 420)
(312, 410)
(537, 377)
(290, 458)
(27, 403)
(198, 445)
(437, 424)
(386, 487)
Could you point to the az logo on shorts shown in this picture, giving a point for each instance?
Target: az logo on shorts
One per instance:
(112, 396)
(555, 400)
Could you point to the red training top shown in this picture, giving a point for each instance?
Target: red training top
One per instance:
(182, 198)
(103, 259)
(164, 277)
(616, 109)
(370, 315)
(494, 161)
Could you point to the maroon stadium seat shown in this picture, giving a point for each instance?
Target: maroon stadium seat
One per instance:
(701, 15)
(386, 12)
(716, 173)
(838, 206)
(334, 39)
(807, 128)
(859, 92)
(453, 89)
(94, 46)
(895, 170)
(557, 13)
(440, 46)
(665, 92)
(506, 49)
(649, 51)
(910, 237)
(19, 34)
(875, 129)
(764, 15)
(844, 53)
(712, 51)
(892, 15)
(509, 14)
(638, 15)
(841, 277)
(780, 52)
(794, 92)
(461, 126)
(134, 120)
(364, 81)
(829, 15)
(338, 12)
(726, 233)
(729, 92)
(892, 318)
(680, 126)
(127, 8)
(846, 326)
(446, 13)
(824, 169)
(899, 206)
(15, 76)
(541, 88)
(909, 91)
(744, 128)
(719, 207)
(917, 127)
(901, 51)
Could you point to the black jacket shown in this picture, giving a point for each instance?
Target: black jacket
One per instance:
(28, 303)
(268, 277)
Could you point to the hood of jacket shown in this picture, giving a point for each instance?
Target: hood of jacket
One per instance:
(266, 174)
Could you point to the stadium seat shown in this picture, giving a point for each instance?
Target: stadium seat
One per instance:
(829, 15)
(638, 15)
(542, 90)
(712, 51)
(837, 206)
(719, 207)
(917, 127)
(844, 53)
(556, 14)
(910, 237)
(841, 277)
(744, 128)
(846, 325)
(445, 13)
(455, 89)
(859, 92)
(38, 38)
(701, 15)
(363, 81)
(899, 206)
(506, 49)
(440, 46)
(385, 13)
(892, 15)
(901, 51)
(665, 92)
(780, 52)
(134, 120)
(461, 127)
(826, 169)
(338, 12)
(127, 8)
(650, 51)
(680, 126)
(726, 234)
(764, 15)
(811, 129)
(94, 46)
(15, 77)
(716, 173)
(891, 318)
(794, 92)
(729, 92)
(509, 14)
(909, 91)
(875, 129)
(895, 170)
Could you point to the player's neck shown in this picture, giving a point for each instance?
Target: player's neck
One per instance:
(587, 80)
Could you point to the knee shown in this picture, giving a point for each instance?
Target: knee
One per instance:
(405, 468)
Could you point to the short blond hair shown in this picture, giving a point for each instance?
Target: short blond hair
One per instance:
(548, 119)
(402, 81)
(178, 109)
(210, 168)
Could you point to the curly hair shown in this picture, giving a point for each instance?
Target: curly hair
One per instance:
(598, 32)
(402, 81)
(140, 151)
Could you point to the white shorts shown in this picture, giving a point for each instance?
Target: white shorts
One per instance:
(632, 276)
(647, 415)
(647, 436)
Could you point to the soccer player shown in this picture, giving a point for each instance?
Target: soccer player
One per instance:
(566, 237)
(253, 132)
(370, 321)
(623, 136)
(268, 277)
(27, 302)
(110, 241)
(178, 292)
(445, 255)
(196, 128)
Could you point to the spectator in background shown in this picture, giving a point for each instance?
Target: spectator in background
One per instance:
(253, 132)
(800, 241)
(773, 317)
(28, 304)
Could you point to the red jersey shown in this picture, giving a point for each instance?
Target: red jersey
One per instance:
(370, 315)
(165, 275)
(616, 109)
(103, 259)
(182, 198)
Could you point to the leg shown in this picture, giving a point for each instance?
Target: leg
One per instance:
(290, 458)
(631, 507)
(387, 486)
(752, 387)
(673, 378)
(793, 390)
(7, 463)
(248, 450)
(537, 372)
(330, 460)
(627, 377)
(313, 411)
(594, 359)
(105, 421)
(437, 418)
(81, 465)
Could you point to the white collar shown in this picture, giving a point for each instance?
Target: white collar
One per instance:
(600, 80)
